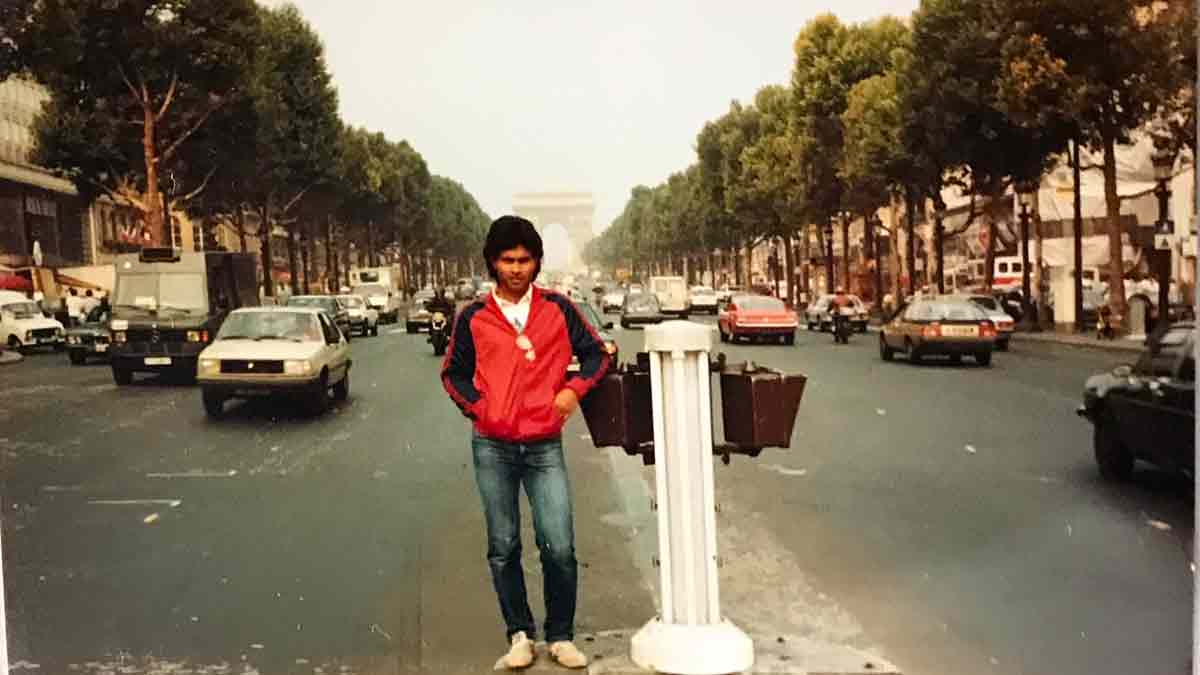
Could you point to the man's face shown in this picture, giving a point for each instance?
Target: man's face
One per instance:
(515, 269)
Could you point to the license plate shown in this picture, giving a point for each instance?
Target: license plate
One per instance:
(158, 360)
(102, 348)
(960, 331)
(45, 341)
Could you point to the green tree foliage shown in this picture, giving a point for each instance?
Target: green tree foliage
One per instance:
(131, 84)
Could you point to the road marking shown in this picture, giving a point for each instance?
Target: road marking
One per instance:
(195, 474)
(780, 469)
(150, 518)
(397, 331)
(136, 502)
(61, 488)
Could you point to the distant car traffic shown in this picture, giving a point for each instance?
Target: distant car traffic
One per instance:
(1003, 320)
(1147, 412)
(465, 289)
(640, 309)
(382, 300)
(363, 317)
(612, 299)
(418, 316)
(728, 291)
(703, 299)
(90, 339)
(818, 317)
(485, 289)
(272, 351)
(602, 329)
(939, 326)
(327, 303)
(757, 318)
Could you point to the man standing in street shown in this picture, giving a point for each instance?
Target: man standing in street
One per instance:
(506, 369)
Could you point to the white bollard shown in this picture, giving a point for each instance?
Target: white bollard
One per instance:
(690, 638)
(3, 622)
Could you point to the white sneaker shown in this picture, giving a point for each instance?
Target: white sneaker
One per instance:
(520, 654)
(567, 655)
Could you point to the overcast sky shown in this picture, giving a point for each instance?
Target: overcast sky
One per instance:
(536, 95)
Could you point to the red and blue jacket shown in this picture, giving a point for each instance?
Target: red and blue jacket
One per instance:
(509, 391)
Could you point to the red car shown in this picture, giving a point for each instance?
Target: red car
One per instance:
(757, 317)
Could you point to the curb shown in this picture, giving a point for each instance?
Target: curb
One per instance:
(8, 358)
(1116, 346)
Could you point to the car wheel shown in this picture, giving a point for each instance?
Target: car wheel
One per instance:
(318, 399)
(78, 358)
(914, 356)
(724, 337)
(885, 352)
(341, 390)
(1002, 345)
(789, 339)
(984, 358)
(375, 331)
(14, 343)
(625, 325)
(956, 359)
(410, 328)
(214, 404)
(1112, 457)
(122, 376)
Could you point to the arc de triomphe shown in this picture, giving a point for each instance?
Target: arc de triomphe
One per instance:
(574, 211)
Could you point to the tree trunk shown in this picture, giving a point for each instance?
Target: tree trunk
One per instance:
(790, 269)
(1039, 264)
(305, 258)
(989, 249)
(737, 266)
(894, 239)
(294, 282)
(806, 257)
(1077, 236)
(241, 226)
(330, 259)
(264, 233)
(155, 224)
(910, 244)
(846, 280)
(1116, 284)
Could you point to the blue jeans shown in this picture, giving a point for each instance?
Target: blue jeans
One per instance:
(500, 470)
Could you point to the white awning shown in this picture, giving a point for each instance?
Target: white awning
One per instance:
(41, 179)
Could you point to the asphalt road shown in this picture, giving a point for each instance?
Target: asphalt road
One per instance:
(948, 519)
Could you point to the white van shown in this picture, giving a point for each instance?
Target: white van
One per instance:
(23, 326)
(672, 293)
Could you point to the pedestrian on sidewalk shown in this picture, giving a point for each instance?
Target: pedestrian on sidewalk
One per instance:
(506, 369)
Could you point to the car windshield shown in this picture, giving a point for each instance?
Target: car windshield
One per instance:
(986, 302)
(369, 290)
(703, 290)
(153, 292)
(98, 314)
(267, 325)
(327, 304)
(642, 302)
(759, 303)
(946, 311)
(23, 310)
(352, 301)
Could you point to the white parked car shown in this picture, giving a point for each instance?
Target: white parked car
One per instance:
(613, 300)
(296, 352)
(23, 326)
(1005, 324)
(363, 317)
(704, 299)
(382, 300)
(817, 315)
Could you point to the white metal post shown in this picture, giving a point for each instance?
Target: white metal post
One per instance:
(3, 620)
(690, 638)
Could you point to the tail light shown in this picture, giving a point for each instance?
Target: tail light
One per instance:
(933, 330)
(987, 329)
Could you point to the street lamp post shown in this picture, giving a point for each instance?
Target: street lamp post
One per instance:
(1025, 193)
(876, 224)
(939, 241)
(773, 268)
(1164, 164)
(827, 229)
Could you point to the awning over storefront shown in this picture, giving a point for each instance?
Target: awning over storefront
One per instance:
(36, 178)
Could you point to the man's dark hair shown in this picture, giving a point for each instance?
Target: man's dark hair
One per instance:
(509, 232)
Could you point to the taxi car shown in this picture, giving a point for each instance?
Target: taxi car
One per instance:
(1005, 324)
(1147, 411)
(818, 317)
(296, 352)
(939, 325)
(363, 317)
(757, 317)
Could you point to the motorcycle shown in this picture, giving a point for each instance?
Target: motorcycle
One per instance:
(841, 326)
(439, 333)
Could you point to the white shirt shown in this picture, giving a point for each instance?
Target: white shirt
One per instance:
(517, 313)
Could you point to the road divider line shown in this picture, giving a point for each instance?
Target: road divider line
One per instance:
(136, 502)
(195, 474)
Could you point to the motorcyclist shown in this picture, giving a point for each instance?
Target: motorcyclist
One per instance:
(440, 303)
(839, 307)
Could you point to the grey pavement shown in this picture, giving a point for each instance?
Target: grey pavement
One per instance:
(928, 519)
(8, 357)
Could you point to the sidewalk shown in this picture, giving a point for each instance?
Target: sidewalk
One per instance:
(1132, 344)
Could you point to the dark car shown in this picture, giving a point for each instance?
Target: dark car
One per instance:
(640, 309)
(1147, 411)
(601, 327)
(91, 337)
(329, 304)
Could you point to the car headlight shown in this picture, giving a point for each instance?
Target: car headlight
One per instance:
(72, 340)
(298, 367)
(210, 366)
(193, 336)
(59, 331)
(118, 336)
